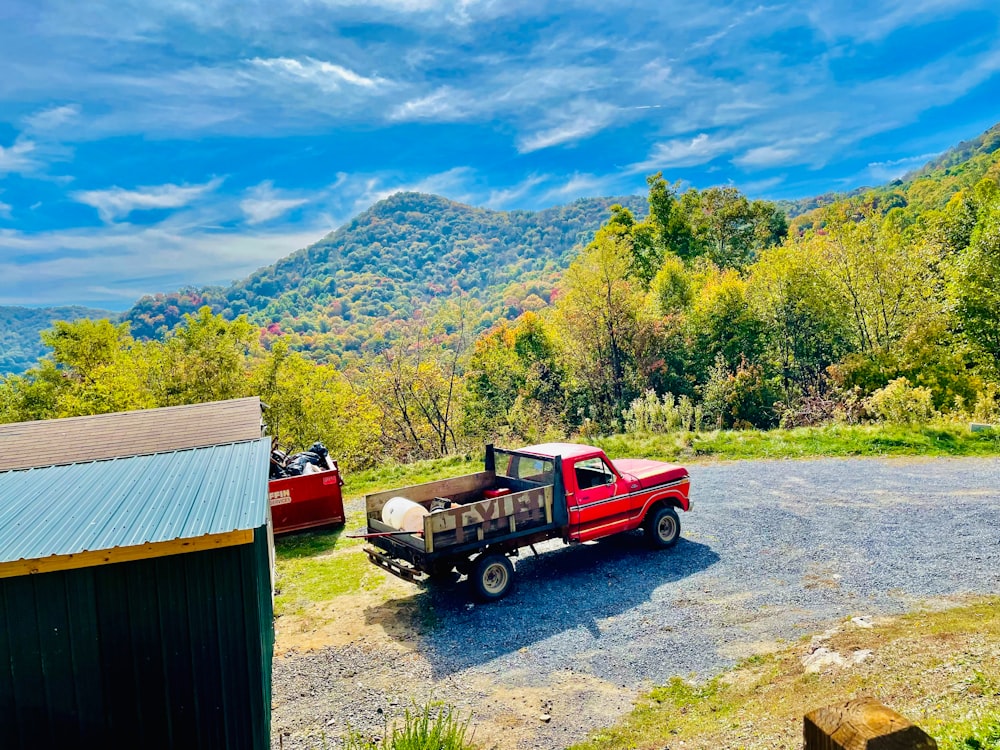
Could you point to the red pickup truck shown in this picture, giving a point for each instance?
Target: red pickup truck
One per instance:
(474, 523)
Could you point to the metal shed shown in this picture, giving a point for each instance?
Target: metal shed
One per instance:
(135, 597)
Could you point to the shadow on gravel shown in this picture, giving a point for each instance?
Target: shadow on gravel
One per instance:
(557, 591)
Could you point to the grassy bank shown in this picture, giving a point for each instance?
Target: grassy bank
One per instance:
(939, 669)
(940, 439)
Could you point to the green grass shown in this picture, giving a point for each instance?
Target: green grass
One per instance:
(434, 727)
(939, 669)
(940, 439)
(308, 580)
(976, 733)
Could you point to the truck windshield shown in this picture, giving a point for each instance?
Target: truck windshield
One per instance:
(519, 466)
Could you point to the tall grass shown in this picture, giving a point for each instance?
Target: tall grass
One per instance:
(435, 727)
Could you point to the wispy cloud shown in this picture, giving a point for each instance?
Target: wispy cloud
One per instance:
(19, 157)
(445, 104)
(114, 203)
(114, 265)
(582, 120)
(892, 169)
(264, 203)
(580, 186)
(325, 76)
(507, 197)
(683, 152)
(767, 156)
(5, 210)
(53, 117)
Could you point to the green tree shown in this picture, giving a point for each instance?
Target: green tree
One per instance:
(597, 322)
(306, 402)
(206, 359)
(807, 328)
(513, 382)
(976, 284)
(730, 229)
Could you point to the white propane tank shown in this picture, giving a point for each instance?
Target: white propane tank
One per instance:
(404, 515)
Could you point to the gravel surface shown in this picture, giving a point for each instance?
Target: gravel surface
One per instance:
(771, 551)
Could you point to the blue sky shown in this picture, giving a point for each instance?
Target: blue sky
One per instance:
(146, 145)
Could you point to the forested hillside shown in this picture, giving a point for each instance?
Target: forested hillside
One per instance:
(20, 345)
(705, 310)
(348, 292)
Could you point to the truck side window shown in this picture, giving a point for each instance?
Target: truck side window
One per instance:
(592, 472)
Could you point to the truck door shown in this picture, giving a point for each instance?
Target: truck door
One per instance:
(598, 505)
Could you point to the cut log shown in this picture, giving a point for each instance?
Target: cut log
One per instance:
(862, 724)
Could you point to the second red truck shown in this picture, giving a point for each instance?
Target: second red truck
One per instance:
(474, 523)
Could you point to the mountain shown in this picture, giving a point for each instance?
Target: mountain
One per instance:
(20, 345)
(354, 288)
(930, 186)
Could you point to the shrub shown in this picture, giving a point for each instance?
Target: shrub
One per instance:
(987, 408)
(902, 403)
(651, 413)
(816, 407)
(741, 399)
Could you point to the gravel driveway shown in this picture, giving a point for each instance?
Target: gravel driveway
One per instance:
(771, 551)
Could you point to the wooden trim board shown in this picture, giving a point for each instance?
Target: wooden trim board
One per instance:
(124, 554)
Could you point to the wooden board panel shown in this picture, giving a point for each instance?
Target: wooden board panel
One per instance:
(489, 518)
(124, 554)
(424, 493)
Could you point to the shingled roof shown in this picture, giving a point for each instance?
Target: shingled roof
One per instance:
(55, 442)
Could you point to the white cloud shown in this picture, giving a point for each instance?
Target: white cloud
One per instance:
(580, 186)
(324, 75)
(443, 105)
(883, 171)
(5, 210)
(117, 202)
(506, 197)
(115, 265)
(681, 152)
(53, 117)
(19, 157)
(767, 156)
(265, 203)
(583, 120)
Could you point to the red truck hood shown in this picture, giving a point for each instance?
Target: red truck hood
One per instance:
(649, 473)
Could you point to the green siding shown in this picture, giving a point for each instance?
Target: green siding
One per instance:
(171, 652)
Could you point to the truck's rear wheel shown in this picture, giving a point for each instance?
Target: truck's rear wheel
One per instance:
(663, 527)
(492, 576)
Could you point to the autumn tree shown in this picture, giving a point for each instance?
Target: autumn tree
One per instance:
(513, 382)
(306, 402)
(597, 322)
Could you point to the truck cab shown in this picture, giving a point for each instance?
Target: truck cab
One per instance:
(605, 497)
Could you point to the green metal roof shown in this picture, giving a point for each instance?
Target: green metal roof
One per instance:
(123, 502)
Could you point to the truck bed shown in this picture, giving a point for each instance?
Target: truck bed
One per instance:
(524, 508)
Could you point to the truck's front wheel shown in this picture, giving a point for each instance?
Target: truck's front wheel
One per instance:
(663, 527)
(492, 576)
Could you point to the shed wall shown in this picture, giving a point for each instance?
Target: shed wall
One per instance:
(169, 652)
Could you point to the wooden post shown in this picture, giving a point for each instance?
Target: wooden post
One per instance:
(862, 724)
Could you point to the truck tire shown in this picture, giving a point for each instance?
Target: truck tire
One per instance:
(492, 576)
(663, 527)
